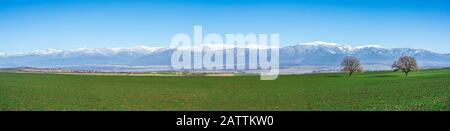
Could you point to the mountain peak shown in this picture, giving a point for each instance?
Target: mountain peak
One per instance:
(321, 43)
(328, 45)
(368, 46)
(46, 52)
(343, 47)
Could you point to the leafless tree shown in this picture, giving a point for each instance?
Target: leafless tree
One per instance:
(351, 65)
(405, 64)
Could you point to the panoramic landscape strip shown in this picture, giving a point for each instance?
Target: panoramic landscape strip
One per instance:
(224, 55)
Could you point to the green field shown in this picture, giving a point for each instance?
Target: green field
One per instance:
(424, 90)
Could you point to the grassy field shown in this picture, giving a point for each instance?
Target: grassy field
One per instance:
(424, 90)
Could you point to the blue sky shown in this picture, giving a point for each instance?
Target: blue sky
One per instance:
(27, 25)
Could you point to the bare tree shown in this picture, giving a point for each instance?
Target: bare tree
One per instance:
(351, 65)
(405, 64)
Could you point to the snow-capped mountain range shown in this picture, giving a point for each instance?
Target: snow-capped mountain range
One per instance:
(305, 54)
(331, 53)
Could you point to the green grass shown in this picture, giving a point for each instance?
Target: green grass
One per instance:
(424, 90)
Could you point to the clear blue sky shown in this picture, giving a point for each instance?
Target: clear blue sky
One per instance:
(27, 25)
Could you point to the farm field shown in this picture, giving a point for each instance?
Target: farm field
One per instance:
(384, 91)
